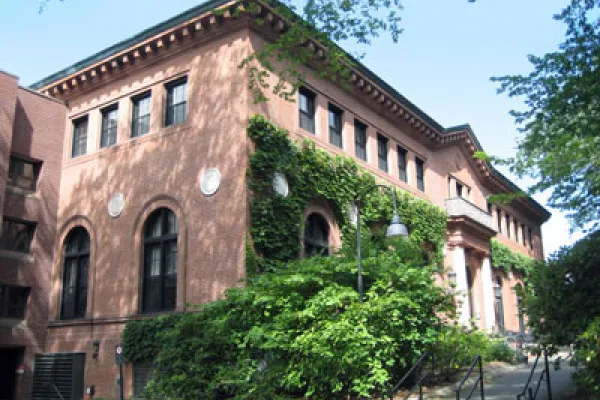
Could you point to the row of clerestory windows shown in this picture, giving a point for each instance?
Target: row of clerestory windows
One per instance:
(175, 112)
(307, 120)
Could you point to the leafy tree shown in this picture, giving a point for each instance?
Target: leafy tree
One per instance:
(560, 141)
(562, 304)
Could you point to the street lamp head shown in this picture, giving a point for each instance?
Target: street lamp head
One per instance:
(397, 228)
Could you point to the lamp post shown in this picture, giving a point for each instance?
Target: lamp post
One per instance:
(396, 228)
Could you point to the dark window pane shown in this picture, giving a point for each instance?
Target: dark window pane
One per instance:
(108, 134)
(508, 225)
(420, 166)
(402, 164)
(16, 235)
(140, 121)
(335, 126)
(316, 236)
(307, 110)
(175, 112)
(499, 217)
(13, 301)
(160, 262)
(23, 173)
(382, 152)
(360, 140)
(75, 274)
(80, 127)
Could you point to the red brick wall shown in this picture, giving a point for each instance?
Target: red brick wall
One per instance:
(36, 133)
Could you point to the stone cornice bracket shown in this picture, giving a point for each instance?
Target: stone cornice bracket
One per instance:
(145, 50)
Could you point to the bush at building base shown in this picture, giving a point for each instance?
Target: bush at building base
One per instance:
(299, 332)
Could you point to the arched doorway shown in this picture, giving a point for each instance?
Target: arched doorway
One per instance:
(316, 236)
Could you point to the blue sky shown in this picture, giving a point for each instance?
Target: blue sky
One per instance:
(442, 62)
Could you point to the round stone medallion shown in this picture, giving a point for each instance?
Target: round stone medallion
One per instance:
(210, 181)
(116, 204)
(280, 184)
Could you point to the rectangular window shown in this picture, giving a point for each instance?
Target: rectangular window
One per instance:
(489, 208)
(80, 128)
(530, 237)
(13, 301)
(508, 225)
(108, 133)
(499, 215)
(382, 152)
(523, 235)
(23, 173)
(459, 189)
(402, 172)
(175, 112)
(516, 226)
(335, 126)
(360, 140)
(16, 235)
(420, 164)
(140, 119)
(307, 110)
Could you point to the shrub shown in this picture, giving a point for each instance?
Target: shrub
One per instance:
(301, 332)
(457, 347)
(587, 356)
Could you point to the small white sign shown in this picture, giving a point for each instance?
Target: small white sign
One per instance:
(116, 205)
(353, 214)
(280, 184)
(210, 181)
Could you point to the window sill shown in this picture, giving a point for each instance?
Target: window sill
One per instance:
(16, 255)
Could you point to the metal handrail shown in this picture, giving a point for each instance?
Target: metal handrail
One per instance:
(419, 384)
(478, 381)
(545, 374)
(57, 392)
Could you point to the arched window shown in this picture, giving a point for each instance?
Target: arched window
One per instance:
(316, 236)
(499, 306)
(76, 254)
(470, 292)
(160, 262)
(519, 292)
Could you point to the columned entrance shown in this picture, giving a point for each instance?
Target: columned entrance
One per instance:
(469, 231)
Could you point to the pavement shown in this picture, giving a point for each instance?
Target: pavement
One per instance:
(504, 382)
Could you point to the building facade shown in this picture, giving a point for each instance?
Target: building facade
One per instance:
(30, 164)
(153, 206)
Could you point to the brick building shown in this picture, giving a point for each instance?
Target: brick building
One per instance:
(141, 229)
(30, 163)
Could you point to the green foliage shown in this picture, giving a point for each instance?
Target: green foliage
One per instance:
(457, 347)
(506, 259)
(587, 356)
(559, 142)
(283, 335)
(277, 221)
(325, 22)
(563, 300)
(564, 307)
(141, 338)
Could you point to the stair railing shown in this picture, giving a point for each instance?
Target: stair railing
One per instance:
(528, 390)
(421, 377)
(479, 380)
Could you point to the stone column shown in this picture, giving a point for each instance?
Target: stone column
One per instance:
(459, 266)
(488, 294)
